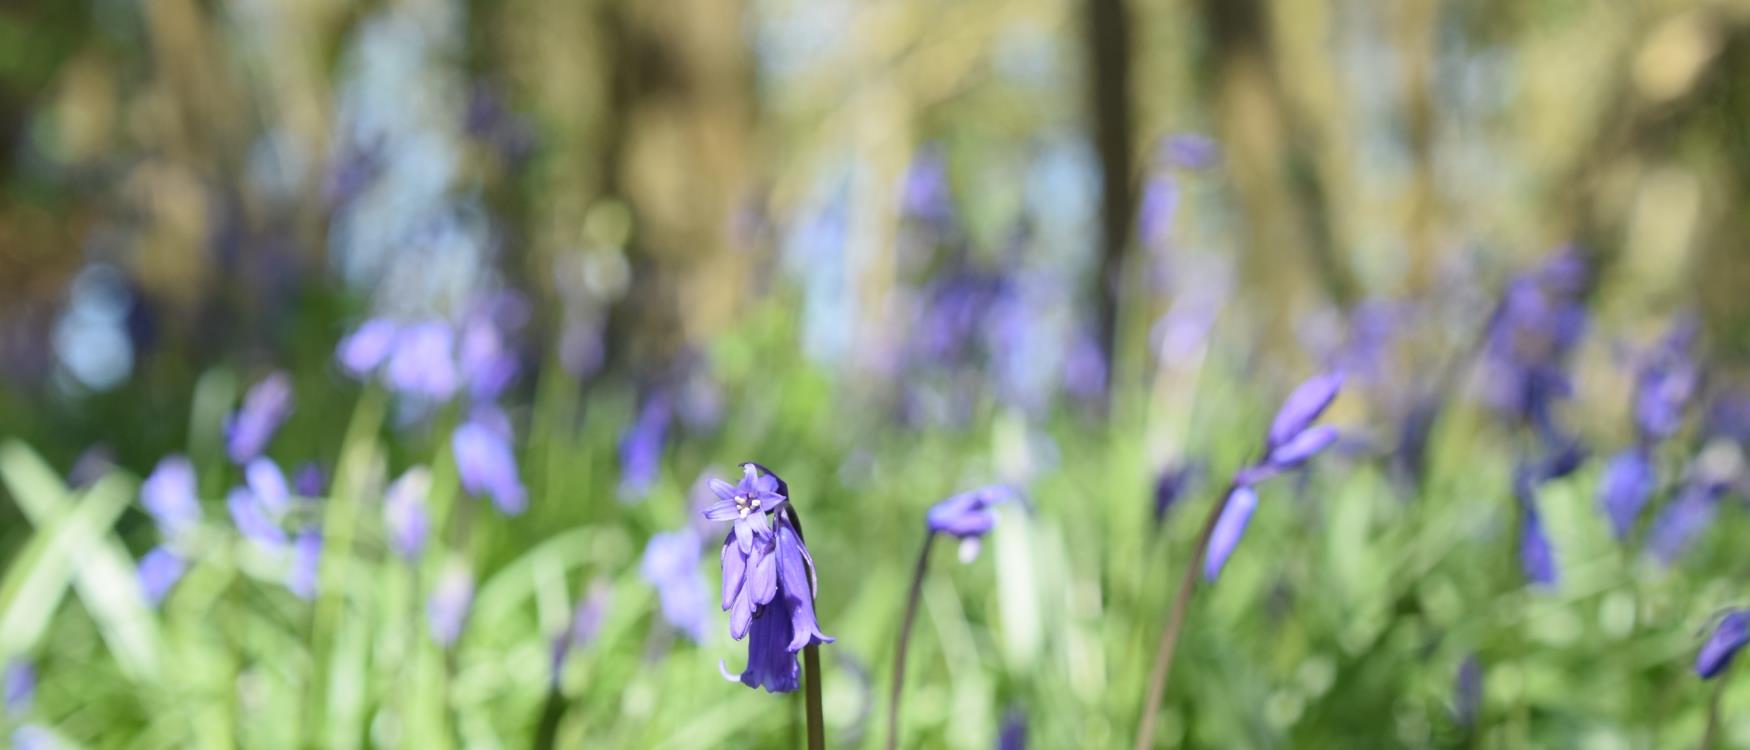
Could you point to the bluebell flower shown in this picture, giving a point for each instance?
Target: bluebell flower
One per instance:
(447, 609)
(641, 447)
(1229, 528)
(1723, 645)
(486, 465)
(252, 519)
(1667, 380)
(1682, 519)
(1155, 211)
(159, 571)
(306, 559)
(1534, 329)
(968, 516)
(1627, 484)
(747, 504)
(487, 364)
(20, 686)
(269, 486)
(1170, 486)
(768, 582)
(309, 480)
(169, 495)
(1013, 735)
(1302, 407)
(265, 408)
(1190, 151)
(671, 566)
(424, 361)
(404, 514)
(1535, 554)
(1084, 368)
(924, 194)
(365, 349)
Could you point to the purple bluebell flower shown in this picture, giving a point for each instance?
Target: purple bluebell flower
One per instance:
(1723, 645)
(1229, 528)
(404, 514)
(1170, 485)
(1467, 694)
(1190, 151)
(487, 364)
(268, 484)
(1667, 380)
(309, 480)
(1627, 484)
(641, 447)
(169, 495)
(1535, 554)
(424, 363)
(1155, 212)
(1084, 368)
(1536, 326)
(265, 408)
(747, 504)
(968, 516)
(306, 559)
(1301, 409)
(20, 686)
(447, 609)
(486, 465)
(671, 566)
(253, 520)
(1682, 519)
(365, 349)
(924, 194)
(1014, 732)
(159, 571)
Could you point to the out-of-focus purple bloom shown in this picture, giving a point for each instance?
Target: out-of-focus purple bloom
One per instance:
(671, 566)
(1728, 638)
(20, 686)
(423, 363)
(169, 495)
(365, 349)
(1410, 459)
(924, 195)
(1229, 528)
(968, 516)
(768, 586)
(1536, 326)
(1084, 368)
(33, 737)
(159, 571)
(90, 466)
(1628, 482)
(404, 514)
(1014, 732)
(265, 408)
(1666, 382)
(1467, 694)
(1170, 485)
(487, 467)
(309, 480)
(1190, 150)
(306, 559)
(1302, 447)
(1682, 519)
(252, 519)
(268, 485)
(586, 623)
(1302, 408)
(447, 609)
(641, 447)
(1535, 555)
(487, 363)
(747, 504)
(1154, 214)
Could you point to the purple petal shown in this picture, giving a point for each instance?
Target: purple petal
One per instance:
(734, 571)
(762, 579)
(366, 348)
(722, 510)
(423, 363)
(252, 520)
(1535, 554)
(1728, 637)
(268, 485)
(1228, 529)
(1303, 406)
(169, 494)
(722, 489)
(404, 515)
(264, 409)
(160, 569)
(306, 556)
(1623, 492)
(1303, 446)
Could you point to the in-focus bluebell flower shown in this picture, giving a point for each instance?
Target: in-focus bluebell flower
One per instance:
(268, 484)
(968, 516)
(1627, 484)
(365, 349)
(641, 447)
(20, 686)
(306, 559)
(265, 408)
(159, 571)
(1229, 528)
(1535, 554)
(1723, 644)
(747, 504)
(1678, 523)
(486, 465)
(671, 566)
(169, 495)
(447, 609)
(424, 361)
(404, 514)
(252, 519)
(309, 480)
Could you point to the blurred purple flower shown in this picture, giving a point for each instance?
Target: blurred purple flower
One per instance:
(1665, 383)
(1727, 639)
(1014, 732)
(586, 624)
(487, 364)
(924, 194)
(1467, 694)
(1084, 368)
(641, 447)
(768, 585)
(1627, 484)
(1170, 486)
(159, 571)
(306, 559)
(265, 408)
(1533, 330)
(20, 686)
(447, 609)
(1682, 519)
(1229, 528)
(968, 516)
(309, 480)
(253, 520)
(671, 566)
(1154, 215)
(169, 494)
(268, 485)
(1535, 554)
(423, 363)
(1190, 150)
(487, 466)
(90, 466)
(367, 347)
(1303, 406)
(747, 504)
(404, 514)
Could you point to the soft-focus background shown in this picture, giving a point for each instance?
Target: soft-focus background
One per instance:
(891, 250)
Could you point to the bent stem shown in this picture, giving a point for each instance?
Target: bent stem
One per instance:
(1711, 733)
(911, 615)
(816, 721)
(1157, 680)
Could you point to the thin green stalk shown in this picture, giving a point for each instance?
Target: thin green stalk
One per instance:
(811, 686)
(1157, 681)
(911, 614)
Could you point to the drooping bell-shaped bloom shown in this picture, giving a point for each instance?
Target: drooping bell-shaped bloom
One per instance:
(265, 408)
(1301, 409)
(1723, 644)
(365, 349)
(671, 566)
(159, 571)
(253, 520)
(1678, 523)
(268, 484)
(169, 495)
(20, 686)
(447, 609)
(1627, 484)
(404, 514)
(1229, 528)
(747, 503)
(486, 465)
(1014, 732)
(306, 559)
(1535, 554)
(1667, 380)
(968, 516)
(424, 361)
(641, 447)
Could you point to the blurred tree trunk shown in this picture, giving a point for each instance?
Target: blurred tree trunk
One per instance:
(1109, 69)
